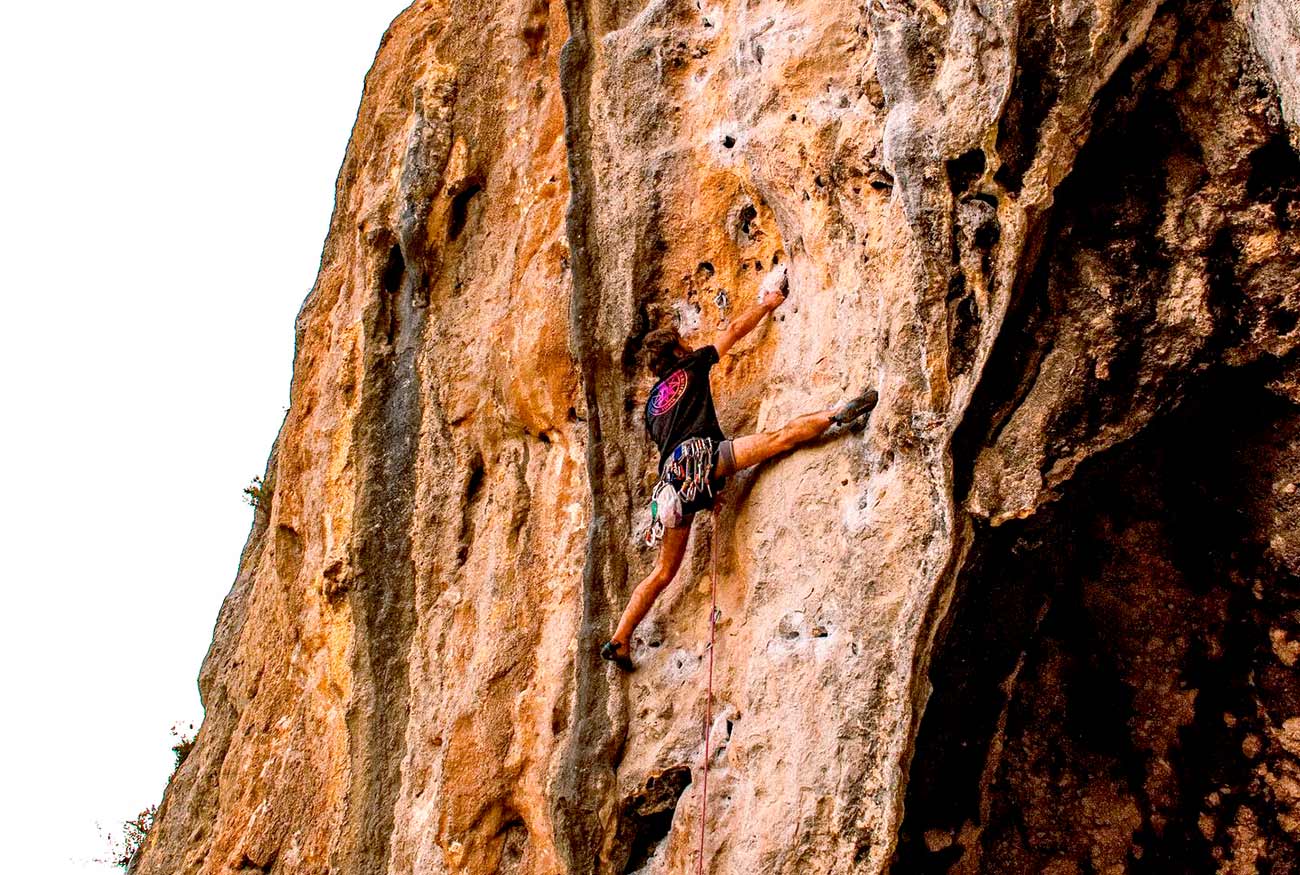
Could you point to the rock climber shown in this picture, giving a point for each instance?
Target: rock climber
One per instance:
(695, 457)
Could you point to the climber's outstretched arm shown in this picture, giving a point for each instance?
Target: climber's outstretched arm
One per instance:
(771, 295)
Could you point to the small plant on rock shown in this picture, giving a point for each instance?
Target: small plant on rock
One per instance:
(185, 738)
(257, 493)
(122, 849)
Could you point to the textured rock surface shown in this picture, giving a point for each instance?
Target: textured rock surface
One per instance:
(1274, 27)
(1042, 616)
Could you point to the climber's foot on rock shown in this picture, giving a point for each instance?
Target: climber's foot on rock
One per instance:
(617, 654)
(856, 408)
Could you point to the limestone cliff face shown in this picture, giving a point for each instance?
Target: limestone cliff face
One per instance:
(1043, 615)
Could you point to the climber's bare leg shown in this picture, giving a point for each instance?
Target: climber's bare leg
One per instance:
(671, 551)
(751, 449)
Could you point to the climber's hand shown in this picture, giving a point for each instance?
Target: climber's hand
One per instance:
(771, 293)
(776, 285)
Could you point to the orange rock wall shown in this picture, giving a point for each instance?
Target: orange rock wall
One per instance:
(404, 677)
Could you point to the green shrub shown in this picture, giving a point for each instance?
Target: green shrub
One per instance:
(123, 849)
(258, 494)
(185, 738)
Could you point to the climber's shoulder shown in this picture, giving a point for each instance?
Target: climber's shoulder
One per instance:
(705, 357)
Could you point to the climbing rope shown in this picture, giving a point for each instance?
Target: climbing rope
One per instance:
(708, 702)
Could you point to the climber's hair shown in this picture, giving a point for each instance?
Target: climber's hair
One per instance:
(660, 351)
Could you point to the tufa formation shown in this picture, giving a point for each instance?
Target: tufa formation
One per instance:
(1042, 616)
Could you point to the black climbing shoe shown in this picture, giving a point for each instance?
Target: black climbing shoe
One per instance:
(857, 408)
(610, 652)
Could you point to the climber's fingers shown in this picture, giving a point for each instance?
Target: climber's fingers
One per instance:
(775, 287)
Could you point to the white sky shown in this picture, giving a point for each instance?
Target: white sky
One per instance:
(168, 174)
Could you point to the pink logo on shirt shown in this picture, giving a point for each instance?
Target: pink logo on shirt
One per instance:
(668, 393)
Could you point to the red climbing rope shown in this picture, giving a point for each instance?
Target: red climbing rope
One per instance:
(708, 702)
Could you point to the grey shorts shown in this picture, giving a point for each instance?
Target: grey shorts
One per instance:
(724, 465)
(724, 462)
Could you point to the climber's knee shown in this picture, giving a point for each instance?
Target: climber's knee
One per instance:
(660, 582)
(751, 449)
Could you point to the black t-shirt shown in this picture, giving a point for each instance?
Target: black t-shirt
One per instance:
(680, 405)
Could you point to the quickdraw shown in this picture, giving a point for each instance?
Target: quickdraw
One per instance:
(690, 468)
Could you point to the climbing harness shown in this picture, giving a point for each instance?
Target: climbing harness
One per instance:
(688, 471)
(691, 465)
(708, 702)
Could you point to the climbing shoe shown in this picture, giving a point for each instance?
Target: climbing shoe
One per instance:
(856, 408)
(610, 652)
